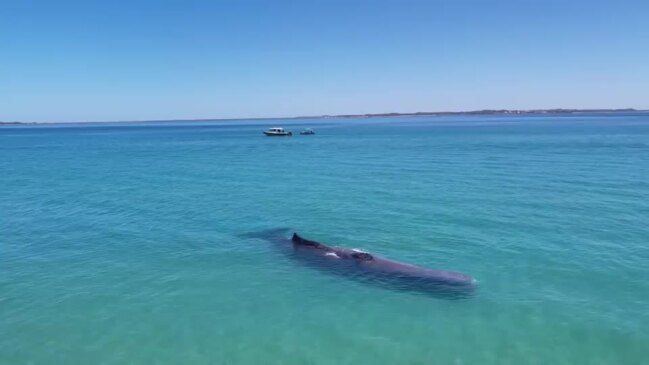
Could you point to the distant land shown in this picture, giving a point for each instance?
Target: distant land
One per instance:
(472, 112)
(8, 123)
(481, 112)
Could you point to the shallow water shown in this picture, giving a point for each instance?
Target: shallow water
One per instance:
(129, 243)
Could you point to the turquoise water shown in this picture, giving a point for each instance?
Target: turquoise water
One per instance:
(126, 243)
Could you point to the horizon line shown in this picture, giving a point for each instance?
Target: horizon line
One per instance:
(365, 115)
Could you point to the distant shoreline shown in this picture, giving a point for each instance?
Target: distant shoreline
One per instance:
(370, 115)
(481, 112)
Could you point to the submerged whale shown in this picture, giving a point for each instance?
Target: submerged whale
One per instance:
(370, 268)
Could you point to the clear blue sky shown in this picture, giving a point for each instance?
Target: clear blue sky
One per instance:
(142, 60)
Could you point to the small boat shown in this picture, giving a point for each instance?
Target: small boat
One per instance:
(276, 131)
(307, 131)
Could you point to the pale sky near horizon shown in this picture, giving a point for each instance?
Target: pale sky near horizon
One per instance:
(66, 61)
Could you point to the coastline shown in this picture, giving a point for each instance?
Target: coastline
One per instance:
(368, 115)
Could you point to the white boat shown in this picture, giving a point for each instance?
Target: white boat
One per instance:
(307, 131)
(277, 131)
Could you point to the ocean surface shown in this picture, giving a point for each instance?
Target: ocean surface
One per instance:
(131, 243)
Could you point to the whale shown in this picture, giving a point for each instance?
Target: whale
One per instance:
(370, 268)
